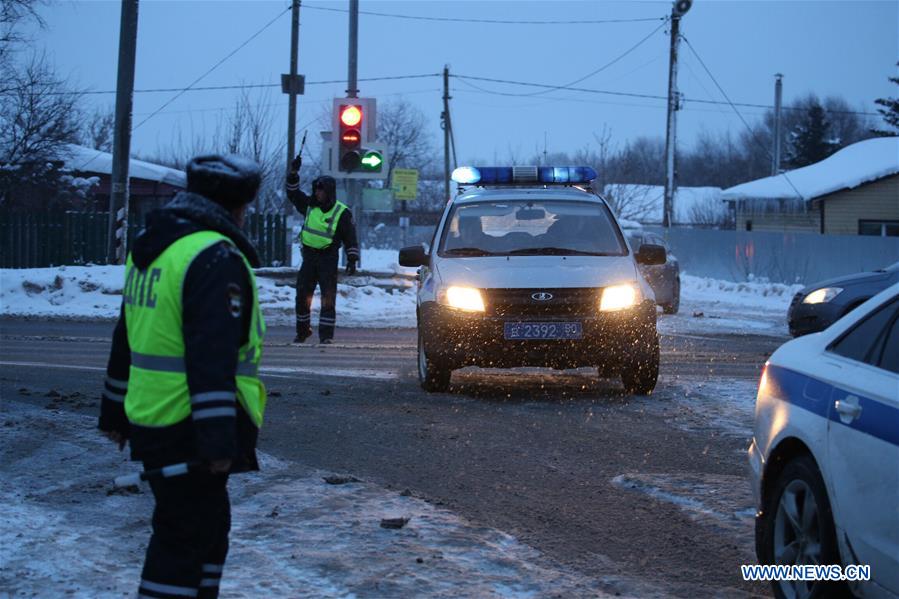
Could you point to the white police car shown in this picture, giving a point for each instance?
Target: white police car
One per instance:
(528, 267)
(824, 460)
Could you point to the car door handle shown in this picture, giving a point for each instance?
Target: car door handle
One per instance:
(848, 408)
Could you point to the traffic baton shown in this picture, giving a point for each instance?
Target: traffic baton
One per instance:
(128, 480)
(303, 142)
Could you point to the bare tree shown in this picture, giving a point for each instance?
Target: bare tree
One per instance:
(97, 130)
(37, 117)
(246, 130)
(14, 13)
(402, 129)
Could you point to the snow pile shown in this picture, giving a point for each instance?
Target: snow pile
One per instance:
(758, 294)
(366, 306)
(852, 166)
(292, 536)
(95, 292)
(64, 291)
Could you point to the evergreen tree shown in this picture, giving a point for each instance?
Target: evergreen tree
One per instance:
(810, 140)
(890, 112)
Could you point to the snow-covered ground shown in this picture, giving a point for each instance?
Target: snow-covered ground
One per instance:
(292, 536)
(713, 305)
(94, 292)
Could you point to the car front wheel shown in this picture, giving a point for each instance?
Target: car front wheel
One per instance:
(433, 375)
(641, 370)
(796, 529)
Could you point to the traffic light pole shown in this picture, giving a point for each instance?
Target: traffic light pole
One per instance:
(121, 141)
(353, 187)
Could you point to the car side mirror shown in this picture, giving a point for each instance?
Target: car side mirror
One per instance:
(651, 254)
(413, 256)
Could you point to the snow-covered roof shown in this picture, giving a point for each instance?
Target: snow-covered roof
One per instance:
(850, 167)
(645, 203)
(87, 160)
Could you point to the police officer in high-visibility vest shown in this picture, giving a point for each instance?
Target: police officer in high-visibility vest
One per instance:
(328, 224)
(182, 380)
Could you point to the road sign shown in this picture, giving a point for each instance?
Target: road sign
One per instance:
(404, 183)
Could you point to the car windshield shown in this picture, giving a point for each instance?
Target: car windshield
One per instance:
(531, 228)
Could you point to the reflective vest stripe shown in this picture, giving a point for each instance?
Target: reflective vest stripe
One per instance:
(176, 364)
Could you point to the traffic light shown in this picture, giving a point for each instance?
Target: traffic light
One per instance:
(351, 121)
(355, 152)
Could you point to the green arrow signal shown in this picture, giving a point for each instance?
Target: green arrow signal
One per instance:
(372, 161)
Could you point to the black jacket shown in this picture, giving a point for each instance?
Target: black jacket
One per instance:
(214, 328)
(346, 227)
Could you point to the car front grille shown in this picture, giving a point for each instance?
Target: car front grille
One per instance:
(568, 302)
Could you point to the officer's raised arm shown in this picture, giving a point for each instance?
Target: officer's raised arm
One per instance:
(296, 195)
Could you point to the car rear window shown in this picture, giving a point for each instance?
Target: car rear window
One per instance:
(531, 227)
(865, 341)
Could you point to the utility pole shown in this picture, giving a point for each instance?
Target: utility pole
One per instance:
(292, 89)
(445, 123)
(778, 94)
(121, 141)
(678, 10)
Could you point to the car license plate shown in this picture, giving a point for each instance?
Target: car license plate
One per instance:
(543, 330)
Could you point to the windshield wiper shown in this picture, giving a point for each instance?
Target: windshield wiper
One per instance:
(554, 251)
(467, 252)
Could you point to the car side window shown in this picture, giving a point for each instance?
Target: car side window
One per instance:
(889, 359)
(864, 341)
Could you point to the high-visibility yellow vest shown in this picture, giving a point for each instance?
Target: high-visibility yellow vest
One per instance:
(320, 227)
(158, 395)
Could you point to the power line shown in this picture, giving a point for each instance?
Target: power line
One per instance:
(238, 86)
(484, 21)
(606, 65)
(214, 67)
(470, 78)
(750, 129)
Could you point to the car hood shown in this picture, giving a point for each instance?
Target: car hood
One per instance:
(853, 279)
(551, 272)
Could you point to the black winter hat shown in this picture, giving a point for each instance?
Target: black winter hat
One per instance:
(328, 184)
(229, 180)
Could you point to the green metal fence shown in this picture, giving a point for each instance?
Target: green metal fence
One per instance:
(41, 239)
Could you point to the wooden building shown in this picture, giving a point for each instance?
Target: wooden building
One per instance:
(853, 192)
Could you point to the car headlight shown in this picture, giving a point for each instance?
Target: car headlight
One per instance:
(618, 297)
(462, 298)
(823, 295)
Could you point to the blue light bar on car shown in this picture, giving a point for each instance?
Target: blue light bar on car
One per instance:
(518, 175)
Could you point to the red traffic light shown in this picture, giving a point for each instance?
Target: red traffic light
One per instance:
(350, 115)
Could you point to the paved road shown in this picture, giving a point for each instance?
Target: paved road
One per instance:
(567, 463)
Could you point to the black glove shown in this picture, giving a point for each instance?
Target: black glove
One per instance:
(351, 267)
(296, 163)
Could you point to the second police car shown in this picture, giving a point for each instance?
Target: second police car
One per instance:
(528, 267)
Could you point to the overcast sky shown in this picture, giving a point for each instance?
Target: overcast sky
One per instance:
(846, 48)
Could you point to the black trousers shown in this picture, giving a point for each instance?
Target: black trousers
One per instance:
(189, 544)
(319, 268)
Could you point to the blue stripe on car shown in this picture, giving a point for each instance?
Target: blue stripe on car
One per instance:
(876, 419)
